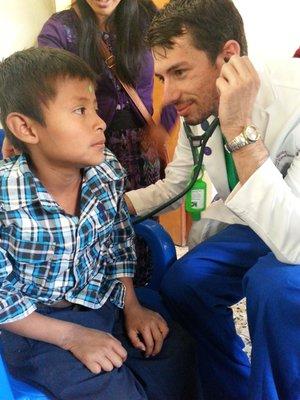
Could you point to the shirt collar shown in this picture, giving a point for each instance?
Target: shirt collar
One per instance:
(19, 187)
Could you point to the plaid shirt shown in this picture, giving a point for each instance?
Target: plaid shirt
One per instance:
(47, 255)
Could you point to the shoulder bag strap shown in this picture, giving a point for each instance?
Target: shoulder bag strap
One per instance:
(109, 60)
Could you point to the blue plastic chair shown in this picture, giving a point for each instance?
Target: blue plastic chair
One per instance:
(163, 255)
(1, 141)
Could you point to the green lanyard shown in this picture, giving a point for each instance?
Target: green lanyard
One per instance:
(232, 175)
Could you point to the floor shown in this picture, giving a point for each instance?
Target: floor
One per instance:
(239, 312)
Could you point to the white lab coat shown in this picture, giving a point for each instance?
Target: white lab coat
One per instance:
(269, 202)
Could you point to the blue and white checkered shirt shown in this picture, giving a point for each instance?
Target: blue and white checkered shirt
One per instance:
(47, 255)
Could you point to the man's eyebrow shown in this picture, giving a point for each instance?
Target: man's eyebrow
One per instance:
(179, 65)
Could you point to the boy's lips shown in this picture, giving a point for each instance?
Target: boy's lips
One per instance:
(100, 144)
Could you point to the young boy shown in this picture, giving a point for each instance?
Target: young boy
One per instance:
(66, 247)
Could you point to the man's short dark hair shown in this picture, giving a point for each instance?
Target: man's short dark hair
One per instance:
(28, 80)
(211, 23)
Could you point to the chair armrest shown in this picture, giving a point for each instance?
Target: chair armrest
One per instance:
(162, 249)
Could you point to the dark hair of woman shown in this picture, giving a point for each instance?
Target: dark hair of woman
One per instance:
(129, 23)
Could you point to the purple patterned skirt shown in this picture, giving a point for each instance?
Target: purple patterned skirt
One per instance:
(125, 144)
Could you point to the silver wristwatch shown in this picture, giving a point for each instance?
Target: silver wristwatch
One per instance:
(249, 135)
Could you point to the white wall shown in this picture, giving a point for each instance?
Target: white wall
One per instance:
(62, 4)
(20, 23)
(272, 27)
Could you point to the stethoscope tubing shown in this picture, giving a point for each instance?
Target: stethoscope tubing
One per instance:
(195, 142)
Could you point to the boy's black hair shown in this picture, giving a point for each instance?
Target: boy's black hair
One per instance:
(28, 80)
(211, 23)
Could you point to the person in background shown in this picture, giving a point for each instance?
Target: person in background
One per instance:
(70, 320)
(121, 25)
(249, 237)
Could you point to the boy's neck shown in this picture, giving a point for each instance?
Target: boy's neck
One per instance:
(63, 184)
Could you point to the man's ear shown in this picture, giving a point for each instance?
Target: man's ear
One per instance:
(22, 127)
(230, 48)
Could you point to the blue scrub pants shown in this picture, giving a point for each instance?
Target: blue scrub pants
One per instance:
(201, 287)
(171, 375)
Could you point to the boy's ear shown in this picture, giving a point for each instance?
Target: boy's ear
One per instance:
(22, 127)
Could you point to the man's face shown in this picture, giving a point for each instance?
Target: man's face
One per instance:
(189, 79)
(74, 134)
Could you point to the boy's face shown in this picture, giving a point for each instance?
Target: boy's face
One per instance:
(73, 135)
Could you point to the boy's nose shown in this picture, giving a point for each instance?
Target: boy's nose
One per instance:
(101, 125)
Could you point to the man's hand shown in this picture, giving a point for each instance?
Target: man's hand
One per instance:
(238, 86)
(146, 329)
(97, 350)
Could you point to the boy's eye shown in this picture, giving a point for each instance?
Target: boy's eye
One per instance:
(161, 79)
(80, 110)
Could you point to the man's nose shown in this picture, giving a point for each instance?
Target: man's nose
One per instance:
(171, 93)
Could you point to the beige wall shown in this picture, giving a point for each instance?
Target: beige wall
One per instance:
(62, 4)
(21, 21)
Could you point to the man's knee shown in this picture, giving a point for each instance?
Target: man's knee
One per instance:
(184, 279)
(270, 279)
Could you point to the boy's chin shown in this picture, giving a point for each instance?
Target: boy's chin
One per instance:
(93, 162)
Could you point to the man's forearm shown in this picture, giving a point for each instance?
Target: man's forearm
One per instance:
(131, 209)
(43, 328)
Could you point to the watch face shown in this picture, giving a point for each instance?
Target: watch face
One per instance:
(251, 133)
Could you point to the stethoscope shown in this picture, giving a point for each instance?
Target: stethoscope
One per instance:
(195, 141)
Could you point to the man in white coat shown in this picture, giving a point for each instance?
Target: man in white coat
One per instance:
(249, 238)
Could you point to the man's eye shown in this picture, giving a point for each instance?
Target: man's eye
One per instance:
(161, 79)
(80, 110)
(179, 73)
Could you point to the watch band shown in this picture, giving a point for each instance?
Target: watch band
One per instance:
(249, 135)
(237, 143)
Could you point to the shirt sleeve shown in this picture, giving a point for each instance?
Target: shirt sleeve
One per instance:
(53, 34)
(270, 205)
(13, 304)
(122, 250)
(178, 174)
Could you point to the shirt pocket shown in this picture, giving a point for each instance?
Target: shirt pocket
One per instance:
(30, 259)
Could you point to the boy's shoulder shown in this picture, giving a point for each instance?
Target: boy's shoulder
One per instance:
(110, 169)
(15, 177)
(10, 169)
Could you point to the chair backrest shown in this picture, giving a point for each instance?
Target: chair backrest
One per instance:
(162, 249)
(1, 141)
